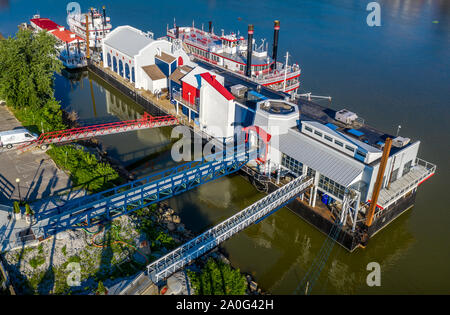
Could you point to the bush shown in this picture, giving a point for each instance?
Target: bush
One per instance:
(217, 278)
(16, 207)
(28, 210)
(101, 288)
(85, 170)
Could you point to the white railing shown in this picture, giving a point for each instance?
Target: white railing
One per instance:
(430, 169)
(178, 97)
(183, 255)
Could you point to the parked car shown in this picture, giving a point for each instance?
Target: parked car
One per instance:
(14, 137)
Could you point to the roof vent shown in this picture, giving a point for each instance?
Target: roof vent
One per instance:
(400, 142)
(346, 116)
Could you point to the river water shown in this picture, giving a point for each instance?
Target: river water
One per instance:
(395, 74)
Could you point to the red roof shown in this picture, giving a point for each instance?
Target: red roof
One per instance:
(45, 24)
(217, 85)
(65, 36)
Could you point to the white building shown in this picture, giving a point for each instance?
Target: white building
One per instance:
(133, 55)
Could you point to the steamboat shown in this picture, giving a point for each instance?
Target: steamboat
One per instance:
(94, 23)
(70, 46)
(239, 55)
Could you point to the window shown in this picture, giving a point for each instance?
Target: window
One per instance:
(308, 129)
(407, 168)
(328, 138)
(394, 175)
(339, 143)
(292, 164)
(318, 133)
(349, 148)
(361, 153)
(331, 187)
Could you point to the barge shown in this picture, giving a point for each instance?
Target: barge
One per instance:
(363, 178)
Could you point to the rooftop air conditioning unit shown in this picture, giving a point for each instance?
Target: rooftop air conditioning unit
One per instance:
(345, 116)
(400, 142)
(238, 90)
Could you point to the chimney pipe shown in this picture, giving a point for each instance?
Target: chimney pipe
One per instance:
(248, 70)
(276, 29)
(177, 32)
(210, 27)
(104, 16)
(92, 17)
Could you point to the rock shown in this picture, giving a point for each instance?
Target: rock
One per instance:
(253, 286)
(63, 236)
(171, 226)
(176, 219)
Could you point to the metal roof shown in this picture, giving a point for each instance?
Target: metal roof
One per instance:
(332, 164)
(361, 145)
(127, 40)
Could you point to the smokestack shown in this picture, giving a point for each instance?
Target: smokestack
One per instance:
(92, 17)
(104, 16)
(248, 72)
(210, 27)
(177, 32)
(276, 29)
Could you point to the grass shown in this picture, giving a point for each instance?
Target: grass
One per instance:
(84, 168)
(36, 261)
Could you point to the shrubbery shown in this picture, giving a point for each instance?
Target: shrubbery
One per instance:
(85, 170)
(218, 278)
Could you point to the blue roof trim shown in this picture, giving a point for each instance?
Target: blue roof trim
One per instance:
(331, 126)
(355, 132)
(260, 96)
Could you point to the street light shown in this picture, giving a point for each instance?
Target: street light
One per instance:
(18, 187)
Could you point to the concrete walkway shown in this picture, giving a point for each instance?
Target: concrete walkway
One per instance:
(39, 179)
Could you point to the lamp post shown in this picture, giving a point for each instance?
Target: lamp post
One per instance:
(18, 188)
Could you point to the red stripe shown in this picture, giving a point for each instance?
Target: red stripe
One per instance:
(425, 179)
(287, 79)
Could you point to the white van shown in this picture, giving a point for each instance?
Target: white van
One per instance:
(11, 138)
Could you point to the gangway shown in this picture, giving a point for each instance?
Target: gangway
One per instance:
(183, 255)
(145, 122)
(104, 206)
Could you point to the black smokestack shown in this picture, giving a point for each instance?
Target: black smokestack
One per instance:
(248, 72)
(92, 17)
(104, 16)
(177, 32)
(276, 29)
(210, 26)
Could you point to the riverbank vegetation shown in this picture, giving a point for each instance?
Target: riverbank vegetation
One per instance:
(218, 278)
(85, 170)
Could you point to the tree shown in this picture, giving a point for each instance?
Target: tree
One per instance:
(101, 290)
(27, 64)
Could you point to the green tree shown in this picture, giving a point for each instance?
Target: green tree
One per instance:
(218, 278)
(101, 288)
(27, 64)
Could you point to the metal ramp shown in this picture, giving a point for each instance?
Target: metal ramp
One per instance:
(183, 255)
(147, 121)
(107, 205)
